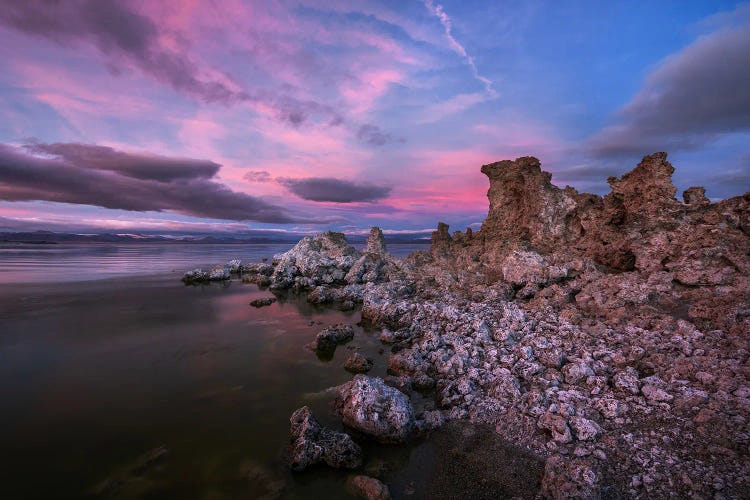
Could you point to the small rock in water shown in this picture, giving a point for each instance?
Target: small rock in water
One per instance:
(328, 338)
(195, 276)
(311, 444)
(369, 488)
(262, 302)
(357, 363)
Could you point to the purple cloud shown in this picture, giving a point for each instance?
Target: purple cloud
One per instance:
(123, 34)
(257, 176)
(71, 173)
(335, 190)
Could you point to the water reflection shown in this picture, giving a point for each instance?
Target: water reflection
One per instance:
(96, 377)
(80, 262)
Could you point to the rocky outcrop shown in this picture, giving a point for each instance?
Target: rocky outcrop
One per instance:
(322, 260)
(311, 444)
(375, 245)
(606, 334)
(375, 409)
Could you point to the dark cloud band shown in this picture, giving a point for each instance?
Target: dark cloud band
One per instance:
(335, 190)
(100, 176)
(691, 99)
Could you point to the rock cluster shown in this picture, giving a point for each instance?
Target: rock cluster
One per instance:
(608, 335)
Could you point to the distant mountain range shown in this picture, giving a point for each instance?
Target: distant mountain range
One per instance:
(48, 237)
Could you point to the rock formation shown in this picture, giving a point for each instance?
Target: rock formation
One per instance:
(373, 408)
(607, 334)
(311, 444)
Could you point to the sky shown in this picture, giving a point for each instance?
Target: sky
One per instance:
(202, 117)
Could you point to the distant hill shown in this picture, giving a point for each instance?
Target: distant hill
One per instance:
(51, 238)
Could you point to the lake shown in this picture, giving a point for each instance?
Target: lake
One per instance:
(30, 263)
(137, 386)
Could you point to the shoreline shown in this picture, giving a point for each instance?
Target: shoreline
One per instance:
(607, 335)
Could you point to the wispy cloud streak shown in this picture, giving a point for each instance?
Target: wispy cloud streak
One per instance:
(438, 11)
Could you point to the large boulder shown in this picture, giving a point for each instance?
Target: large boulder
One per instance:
(311, 444)
(371, 407)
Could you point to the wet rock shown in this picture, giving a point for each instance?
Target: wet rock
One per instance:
(368, 488)
(329, 338)
(311, 444)
(219, 273)
(384, 413)
(263, 301)
(195, 276)
(357, 363)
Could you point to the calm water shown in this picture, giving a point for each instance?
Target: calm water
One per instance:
(95, 375)
(23, 263)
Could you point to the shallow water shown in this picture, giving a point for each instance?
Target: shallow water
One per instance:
(29, 263)
(95, 375)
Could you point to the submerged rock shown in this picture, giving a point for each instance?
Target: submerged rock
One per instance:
(384, 413)
(263, 301)
(311, 444)
(368, 488)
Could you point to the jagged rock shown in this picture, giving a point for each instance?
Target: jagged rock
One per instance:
(311, 444)
(375, 245)
(695, 196)
(370, 406)
(584, 429)
(357, 363)
(330, 337)
(322, 260)
(368, 488)
(234, 266)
